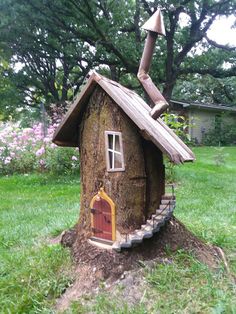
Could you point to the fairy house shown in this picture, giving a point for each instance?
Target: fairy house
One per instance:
(121, 142)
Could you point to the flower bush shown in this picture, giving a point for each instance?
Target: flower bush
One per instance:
(23, 150)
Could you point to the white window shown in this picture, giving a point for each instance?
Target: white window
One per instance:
(114, 151)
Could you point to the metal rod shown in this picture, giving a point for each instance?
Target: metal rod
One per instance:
(148, 50)
(154, 26)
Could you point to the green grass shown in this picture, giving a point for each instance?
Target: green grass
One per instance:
(206, 198)
(33, 273)
(34, 208)
(183, 285)
(187, 286)
(206, 204)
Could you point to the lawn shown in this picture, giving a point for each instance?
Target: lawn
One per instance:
(34, 208)
(33, 273)
(206, 196)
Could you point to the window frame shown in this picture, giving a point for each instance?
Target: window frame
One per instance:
(113, 151)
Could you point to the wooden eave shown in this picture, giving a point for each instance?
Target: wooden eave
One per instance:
(135, 108)
(67, 132)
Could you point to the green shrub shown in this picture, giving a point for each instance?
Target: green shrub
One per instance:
(225, 135)
(179, 124)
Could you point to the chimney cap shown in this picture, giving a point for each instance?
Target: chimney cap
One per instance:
(155, 23)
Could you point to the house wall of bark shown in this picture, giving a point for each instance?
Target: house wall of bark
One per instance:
(136, 191)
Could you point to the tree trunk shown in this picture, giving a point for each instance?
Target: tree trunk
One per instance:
(136, 191)
(101, 115)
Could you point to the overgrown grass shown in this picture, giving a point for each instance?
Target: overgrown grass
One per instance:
(32, 209)
(33, 273)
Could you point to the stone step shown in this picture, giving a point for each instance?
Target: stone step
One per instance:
(145, 234)
(146, 227)
(147, 230)
(153, 225)
(150, 222)
(135, 238)
(138, 232)
(163, 207)
(148, 234)
(167, 202)
(158, 226)
(168, 197)
(126, 244)
(116, 246)
(157, 217)
(162, 211)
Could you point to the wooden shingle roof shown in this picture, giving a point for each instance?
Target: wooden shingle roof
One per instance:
(135, 108)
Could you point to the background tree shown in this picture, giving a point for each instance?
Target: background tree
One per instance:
(59, 42)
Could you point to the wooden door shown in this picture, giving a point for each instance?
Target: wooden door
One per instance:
(102, 219)
(103, 216)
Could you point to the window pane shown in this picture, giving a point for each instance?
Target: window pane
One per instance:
(117, 143)
(114, 153)
(118, 160)
(110, 141)
(110, 159)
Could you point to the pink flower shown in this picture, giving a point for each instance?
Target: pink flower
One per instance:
(7, 160)
(46, 140)
(74, 158)
(40, 151)
(42, 162)
(53, 145)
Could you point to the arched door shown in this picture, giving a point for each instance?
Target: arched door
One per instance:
(103, 216)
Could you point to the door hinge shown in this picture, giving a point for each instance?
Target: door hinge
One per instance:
(95, 230)
(92, 210)
(95, 211)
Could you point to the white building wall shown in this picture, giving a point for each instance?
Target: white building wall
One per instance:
(201, 121)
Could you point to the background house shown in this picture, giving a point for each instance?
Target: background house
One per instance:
(204, 117)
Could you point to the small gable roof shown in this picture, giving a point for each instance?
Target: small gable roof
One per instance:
(135, 108)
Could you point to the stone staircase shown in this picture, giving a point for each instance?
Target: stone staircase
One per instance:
(152, 225)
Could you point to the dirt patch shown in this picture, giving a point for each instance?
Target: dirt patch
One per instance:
(95, 264)
(173, 236)
(85, 282)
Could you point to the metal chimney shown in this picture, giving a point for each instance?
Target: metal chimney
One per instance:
(154, 26)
